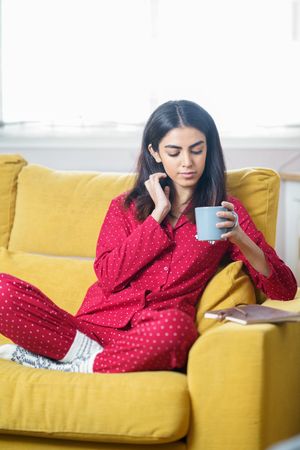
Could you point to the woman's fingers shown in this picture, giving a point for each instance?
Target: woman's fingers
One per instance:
(227, 205)
(157, 175)
(153, 180)
(229, 215)
(167, 191)
(225, 224)
(230, 219)
(159, 195)
(231, 222)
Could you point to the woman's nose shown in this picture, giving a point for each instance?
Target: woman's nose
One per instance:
(186, 159)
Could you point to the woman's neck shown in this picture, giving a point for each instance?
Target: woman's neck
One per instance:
(182, 196)
(179, 205)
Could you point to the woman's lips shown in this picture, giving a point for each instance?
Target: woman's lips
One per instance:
(187, 174)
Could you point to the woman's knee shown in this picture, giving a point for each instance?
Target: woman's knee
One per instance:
(178, 329)
(178, 333)
(180, 321)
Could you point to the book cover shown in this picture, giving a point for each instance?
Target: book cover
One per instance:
(249, 314)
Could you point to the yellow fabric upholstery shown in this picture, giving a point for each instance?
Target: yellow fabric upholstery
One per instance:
(235, 395)
(248, 379)
(64, 280)
(106, 407)
(10, 166)
(228, 288)
(9, 442)
(258, 189)
(46, 196)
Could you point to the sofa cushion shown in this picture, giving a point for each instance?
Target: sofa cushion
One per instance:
(60, 212)
(13, 442)
(231, 286)
(141, 407)
(64, 280)
(10, 166)
(258, 189)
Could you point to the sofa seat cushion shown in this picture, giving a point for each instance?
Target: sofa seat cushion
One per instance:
(13, 442)
(140, 407)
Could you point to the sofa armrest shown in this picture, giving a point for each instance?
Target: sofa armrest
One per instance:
(244, 383)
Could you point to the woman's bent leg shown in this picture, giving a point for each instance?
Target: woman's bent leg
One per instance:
(159, 340)
(39, 327)
(30, 319)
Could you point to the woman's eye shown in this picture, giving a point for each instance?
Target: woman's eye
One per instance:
(194, 152)
(197, 152)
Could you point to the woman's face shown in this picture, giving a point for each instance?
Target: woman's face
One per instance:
(182, 151)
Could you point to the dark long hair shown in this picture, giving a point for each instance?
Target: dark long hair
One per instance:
(211, 187)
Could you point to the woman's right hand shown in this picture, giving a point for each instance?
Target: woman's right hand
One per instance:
(160, 196)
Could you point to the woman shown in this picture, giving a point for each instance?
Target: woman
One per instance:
(150, 269)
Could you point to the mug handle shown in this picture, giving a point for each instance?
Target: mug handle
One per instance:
(236, 220)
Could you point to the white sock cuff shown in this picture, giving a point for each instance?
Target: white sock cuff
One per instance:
(81, 346)
(7, 351)
(72, 352)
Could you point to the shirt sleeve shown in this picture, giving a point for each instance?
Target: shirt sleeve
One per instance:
(122, 251)
(281, 283)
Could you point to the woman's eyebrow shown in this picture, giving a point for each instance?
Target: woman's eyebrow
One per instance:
(196, 143)
(180, 148)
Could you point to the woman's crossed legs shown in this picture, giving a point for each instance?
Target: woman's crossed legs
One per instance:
(46, 336)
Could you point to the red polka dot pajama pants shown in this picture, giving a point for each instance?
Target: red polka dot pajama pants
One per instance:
(158, 340)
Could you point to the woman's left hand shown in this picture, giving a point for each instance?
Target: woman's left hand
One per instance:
(232, 224)
(236, 235)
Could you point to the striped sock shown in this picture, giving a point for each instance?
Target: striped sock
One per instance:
(80, 357)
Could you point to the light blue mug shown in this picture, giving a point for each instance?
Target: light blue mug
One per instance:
(206, 220)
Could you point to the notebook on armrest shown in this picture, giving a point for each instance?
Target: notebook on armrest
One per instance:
(249, 314)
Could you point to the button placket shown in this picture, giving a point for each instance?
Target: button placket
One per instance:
(166, 271)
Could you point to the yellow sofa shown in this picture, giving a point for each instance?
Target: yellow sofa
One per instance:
(242, 386)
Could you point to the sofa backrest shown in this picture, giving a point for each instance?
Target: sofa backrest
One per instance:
(258, 189)
(60, 212)
(10, 167)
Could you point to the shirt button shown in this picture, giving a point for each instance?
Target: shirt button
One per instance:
(166, 268)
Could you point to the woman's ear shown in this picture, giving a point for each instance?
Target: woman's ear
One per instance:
(154, 154)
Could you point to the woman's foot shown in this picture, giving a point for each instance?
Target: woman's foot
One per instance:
(80, 357)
